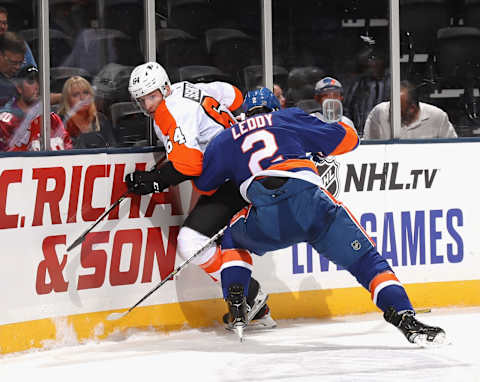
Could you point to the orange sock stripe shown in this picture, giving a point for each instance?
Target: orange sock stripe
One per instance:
(381, 278)
(236, 255)
(214, 263)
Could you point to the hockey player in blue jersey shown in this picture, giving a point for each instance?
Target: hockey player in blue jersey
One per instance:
(265, 156)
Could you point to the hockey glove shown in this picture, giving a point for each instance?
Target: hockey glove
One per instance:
(144, 182)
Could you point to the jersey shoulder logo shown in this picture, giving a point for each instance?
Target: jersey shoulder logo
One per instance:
(191, 92)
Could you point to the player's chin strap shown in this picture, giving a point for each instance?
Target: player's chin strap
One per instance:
(117, 315)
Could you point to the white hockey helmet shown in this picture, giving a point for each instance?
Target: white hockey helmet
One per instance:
(147, 78)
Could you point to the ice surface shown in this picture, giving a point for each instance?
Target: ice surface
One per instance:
(354, 348)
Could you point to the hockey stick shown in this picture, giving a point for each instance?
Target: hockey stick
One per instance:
(116, 315)
(81, 238)
(423, 310)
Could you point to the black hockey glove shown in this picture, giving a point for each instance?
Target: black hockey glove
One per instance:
(145, 182)
(317, 158)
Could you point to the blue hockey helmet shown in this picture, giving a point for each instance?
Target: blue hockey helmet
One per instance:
(260, 101)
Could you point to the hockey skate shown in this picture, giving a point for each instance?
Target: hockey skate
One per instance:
(258, 316)
(262, 320)
(415, 331)
(237, 305)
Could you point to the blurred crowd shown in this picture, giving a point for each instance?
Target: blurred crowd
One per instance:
(93, 51)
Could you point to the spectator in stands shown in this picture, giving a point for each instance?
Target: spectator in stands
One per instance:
(28, 59)
(69, 16)
(370, 88)
(10, 42)
(12, 51)
(87, 127)
(419, 120)
(278, 92)
(20, 122)
(330, 88)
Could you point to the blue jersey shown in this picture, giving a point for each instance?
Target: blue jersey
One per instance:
(272, 144)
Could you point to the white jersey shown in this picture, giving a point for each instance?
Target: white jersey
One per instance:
(188, 119)
(432, 122)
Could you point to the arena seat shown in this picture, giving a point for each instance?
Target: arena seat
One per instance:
(192, 16)
(253, 76)
(91, 140)
(95, 47)
(111, 82)
(458, 55)
(59, 74)
(130, 126)
(301, 83)
(471, 14)
(413, 17)
(458, 67)
(60, 44)
(308, 105)
(230, 50)
(118, 11)
(200, 73)
(176, 48)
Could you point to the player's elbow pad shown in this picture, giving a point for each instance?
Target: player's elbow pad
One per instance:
(167, 174)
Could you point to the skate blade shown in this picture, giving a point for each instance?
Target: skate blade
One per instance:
(439, 340)
(259, 303)
(263, 323)
(239, 331)
(256, 325)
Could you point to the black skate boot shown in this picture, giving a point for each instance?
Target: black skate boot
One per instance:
(415, 331)
(237, 305)
(258, 316)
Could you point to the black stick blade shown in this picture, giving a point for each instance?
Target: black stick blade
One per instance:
(76, 243)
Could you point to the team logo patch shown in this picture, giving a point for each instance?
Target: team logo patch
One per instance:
(191, 92)
(356, 245)
(328, 171)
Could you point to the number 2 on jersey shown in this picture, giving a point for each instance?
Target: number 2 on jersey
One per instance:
(268, 151)
(212, 108)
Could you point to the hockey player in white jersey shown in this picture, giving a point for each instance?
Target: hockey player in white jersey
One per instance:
(186, 118)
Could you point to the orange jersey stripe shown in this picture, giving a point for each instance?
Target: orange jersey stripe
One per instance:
(237, 102)
(185, 159)
(349, 141)
(293, 163)
(381, 278)
(201, 191)
(242, 214)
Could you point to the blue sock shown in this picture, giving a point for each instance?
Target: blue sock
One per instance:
(235, 275)
(393, 295)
